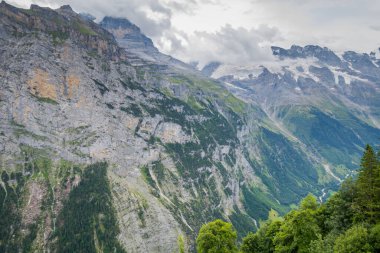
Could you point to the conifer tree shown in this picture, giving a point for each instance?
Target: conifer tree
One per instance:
(368, 185)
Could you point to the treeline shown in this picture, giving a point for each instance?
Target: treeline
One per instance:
(349, 222)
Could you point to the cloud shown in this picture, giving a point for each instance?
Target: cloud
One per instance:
(151, 16)
(375, 27)
(229, 44)
(240, 30)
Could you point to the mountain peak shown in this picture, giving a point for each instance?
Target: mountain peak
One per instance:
(128, 35)
(66, 7)
(323, 54)
(109, 22)
(135, 42)
(87, 16)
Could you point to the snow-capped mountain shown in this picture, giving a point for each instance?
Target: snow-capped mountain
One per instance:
(309, 91)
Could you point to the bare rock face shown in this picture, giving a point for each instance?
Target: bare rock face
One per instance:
(66, 89)
(169, 132)
(34, 203)
(137, 44)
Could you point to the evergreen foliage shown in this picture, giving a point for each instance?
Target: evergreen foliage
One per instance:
(88, 222)
(368, 185)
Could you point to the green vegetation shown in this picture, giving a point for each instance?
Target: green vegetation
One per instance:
(129, 83)
(291, 174)
(84, 29)
(59, 37)
(149, 180)
(15, 234)
(133, 109)
(10, 222)
(217, 237)
(242, 222)
(354, 240)
(213, 88)
(101, 87)
(348, 222)
(299, 228)
(181, 244)
(46, 100)
(335, 138)
(22, 131)
(88, 222)
(192, 101)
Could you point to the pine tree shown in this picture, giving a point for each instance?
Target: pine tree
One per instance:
(368, 184)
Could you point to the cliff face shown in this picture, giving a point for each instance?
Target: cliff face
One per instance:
(69, 96)
(180, 149)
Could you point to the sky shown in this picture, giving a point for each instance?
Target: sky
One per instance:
(240, 31)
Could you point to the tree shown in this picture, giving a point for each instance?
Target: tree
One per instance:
(337, 213)
(262, 240)
(375, 238)
(270, 233)
(354, 240)
(217, 237)
(252, 244)
(299, 228)
(323, 245)
(368, 184)
(309, 203)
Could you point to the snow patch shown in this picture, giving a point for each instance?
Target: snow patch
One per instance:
(234, 86)
(347, 77)
(239, 72)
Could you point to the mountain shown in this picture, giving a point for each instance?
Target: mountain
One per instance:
(130, 37)
(209, 68)
(109, 145)
(328, 103)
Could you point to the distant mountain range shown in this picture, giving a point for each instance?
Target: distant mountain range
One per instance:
(93, 116)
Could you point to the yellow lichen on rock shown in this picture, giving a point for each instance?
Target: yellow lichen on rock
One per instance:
(72, 85)
(100, 153)
(131, 123)
(82, 102)
(40, 86)
(27, 112)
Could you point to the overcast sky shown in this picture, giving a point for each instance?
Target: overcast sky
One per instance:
(240, 31)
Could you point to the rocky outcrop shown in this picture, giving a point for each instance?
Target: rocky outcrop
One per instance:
(137, 44)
